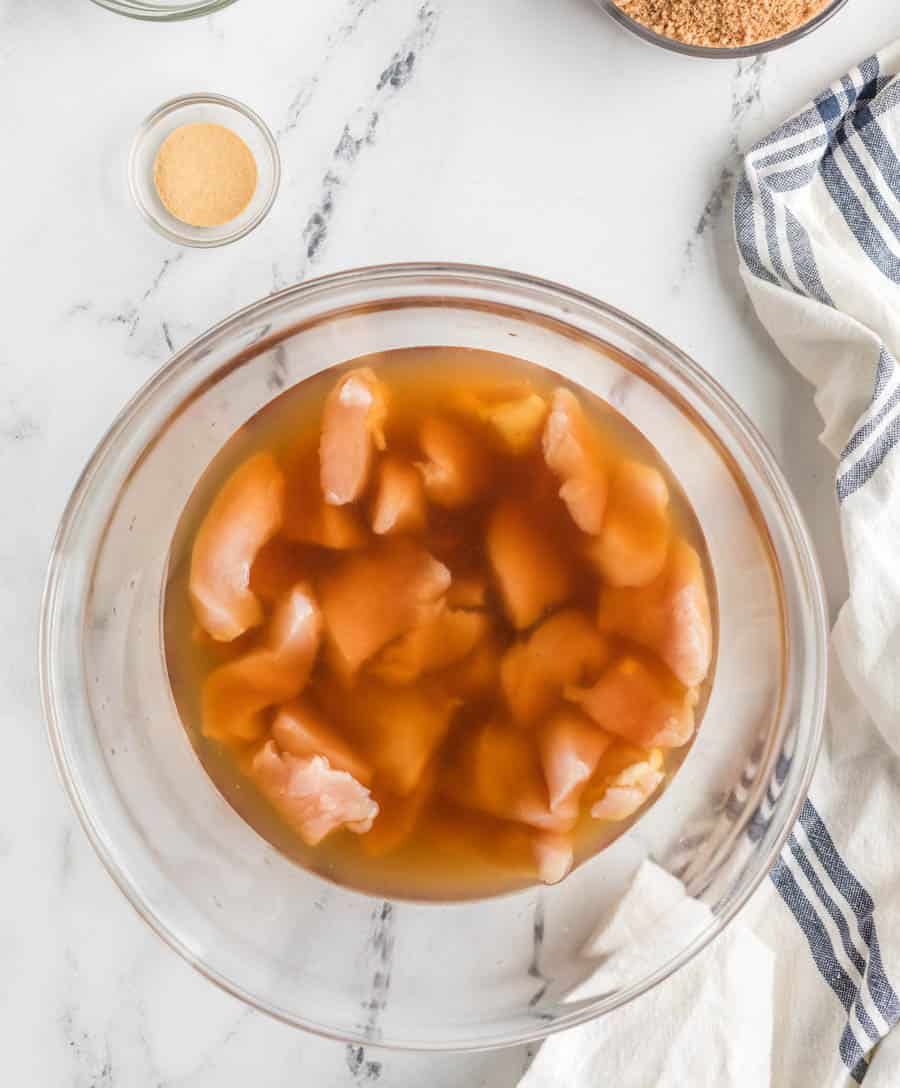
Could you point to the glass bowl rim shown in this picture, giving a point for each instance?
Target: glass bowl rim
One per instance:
(136, 9)
(742, 429)
(701, 52)
(196, 98)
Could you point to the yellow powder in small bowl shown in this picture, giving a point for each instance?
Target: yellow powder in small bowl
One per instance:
(205, 174)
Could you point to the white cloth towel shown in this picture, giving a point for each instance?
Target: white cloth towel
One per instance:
(817, 222)
(644, 1043)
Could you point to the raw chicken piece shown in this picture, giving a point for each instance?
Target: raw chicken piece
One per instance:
(213, 652)
(311, 797)
(617, 758)
(627, 790)
(372, 598)
(236, 693)
(571, 452)
(586, 498)
(641, 702)
(352, 429)
(530, 572)
(246, 513)
(569, 445)
(477, 675)
(670, 616)
(396, 730)
(309, 519)
(301, 730)
(632, 545)
(398, 817)
(513, 848)
(518, 423)
(554, 856)
(443, 638)
(498, 772)
(338, 528)
(570, 746)
(406, 727)
(477, 402)
(278, 566)
(399, 505)
(457, 467)
(451, 541)
(566, 649)
(468, 591)
(514, 413)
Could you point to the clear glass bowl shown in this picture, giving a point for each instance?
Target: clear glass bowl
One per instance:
(754, 50)
(164, 10)
(402, 974)
(205, 109)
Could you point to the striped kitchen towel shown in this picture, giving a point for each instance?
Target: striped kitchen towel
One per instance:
(802, 991)
(817, 221)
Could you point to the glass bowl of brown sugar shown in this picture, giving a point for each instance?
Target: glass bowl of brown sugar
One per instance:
(721, 29)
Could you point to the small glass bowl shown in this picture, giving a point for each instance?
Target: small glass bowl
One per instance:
(193, 109)
(753, 50)
(425, 975)
(164, 12)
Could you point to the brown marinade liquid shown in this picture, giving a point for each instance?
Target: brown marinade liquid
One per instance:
(453, 851)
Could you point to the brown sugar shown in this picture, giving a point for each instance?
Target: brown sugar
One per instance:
(721, 24)
(205, 174)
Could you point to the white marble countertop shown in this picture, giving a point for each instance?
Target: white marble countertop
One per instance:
(523, 133)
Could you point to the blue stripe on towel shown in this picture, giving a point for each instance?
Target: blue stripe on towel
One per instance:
(822, 952)
(745, 223)
(862, 905)
(888, 98)
(857, 908)
(843, 927)
(774, 247)
(879, 418)
(797, 177)
(869, 71)
(804, 259)
(846, 1047)
(872, 424)
(839, 121)
(887, 367)
(878, 147)
(803, 122)
(814, 929)
(786, 154)
(871, 189)
(857, 218)
(859, 474)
